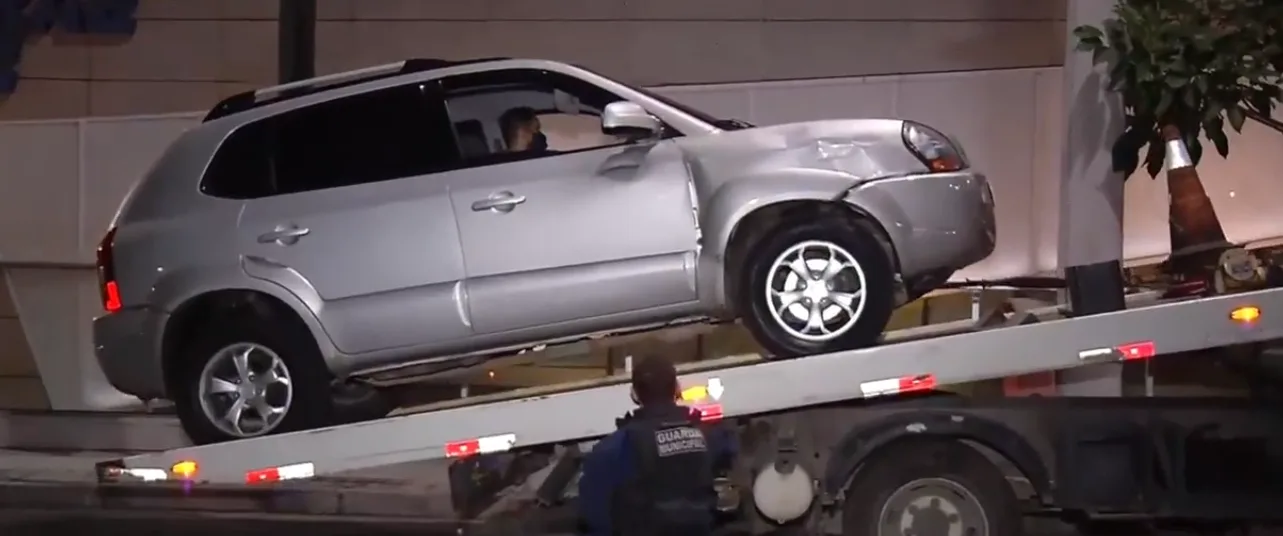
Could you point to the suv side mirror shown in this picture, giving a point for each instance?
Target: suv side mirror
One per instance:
(623, 118)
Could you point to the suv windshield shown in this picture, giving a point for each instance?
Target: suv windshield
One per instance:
(724, 124)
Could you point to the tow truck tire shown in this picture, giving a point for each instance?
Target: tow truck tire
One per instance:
(311, 404)
(851, 240)
(930, 486)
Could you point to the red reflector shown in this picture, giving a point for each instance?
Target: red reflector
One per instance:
(926, 382)
(1137, 350)
(460, 449)
(481, 445)
(262, 475)
(111, 297)
(710, 412)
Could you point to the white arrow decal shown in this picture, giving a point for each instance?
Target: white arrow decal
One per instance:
(715, 388)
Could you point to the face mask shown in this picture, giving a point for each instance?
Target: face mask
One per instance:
(539, 142)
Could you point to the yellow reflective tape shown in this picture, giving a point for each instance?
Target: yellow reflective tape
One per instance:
(694, 393)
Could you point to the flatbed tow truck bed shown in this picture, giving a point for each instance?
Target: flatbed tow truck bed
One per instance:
(826, 421)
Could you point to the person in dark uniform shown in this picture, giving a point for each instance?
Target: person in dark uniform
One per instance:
(653, 475)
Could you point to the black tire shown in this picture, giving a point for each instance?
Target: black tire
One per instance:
(950, 461)
(856, 238)
(359, 403)
(312, 404)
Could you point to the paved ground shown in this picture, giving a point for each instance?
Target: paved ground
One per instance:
(70, 467)
(417, 490)
(51, 524)
(58, 494)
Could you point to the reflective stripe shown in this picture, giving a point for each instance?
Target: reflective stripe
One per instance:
(905, 384)
(1138, 350)
(709, 412)
(277, 474)
(481, 445)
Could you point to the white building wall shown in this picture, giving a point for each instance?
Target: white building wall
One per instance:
(187, 53)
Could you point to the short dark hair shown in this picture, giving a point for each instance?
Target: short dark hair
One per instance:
(514, 119)
(654, 380)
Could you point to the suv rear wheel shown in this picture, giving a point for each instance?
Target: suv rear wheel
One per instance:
(817, 286)
(245, 379)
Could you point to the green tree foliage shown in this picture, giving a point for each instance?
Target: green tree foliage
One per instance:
(1190, 64)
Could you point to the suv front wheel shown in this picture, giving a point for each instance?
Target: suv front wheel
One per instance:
(817, 286)
(244, 379)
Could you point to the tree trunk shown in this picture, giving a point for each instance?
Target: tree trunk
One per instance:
(1196, 235)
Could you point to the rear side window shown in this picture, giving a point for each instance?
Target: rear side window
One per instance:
(371, 137)
(241, 168)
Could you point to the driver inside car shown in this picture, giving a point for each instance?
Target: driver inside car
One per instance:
(522, 131)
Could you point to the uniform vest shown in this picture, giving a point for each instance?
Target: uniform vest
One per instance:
(671, 490)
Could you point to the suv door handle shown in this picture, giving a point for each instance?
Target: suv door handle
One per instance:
(499, 202)
(283, 235)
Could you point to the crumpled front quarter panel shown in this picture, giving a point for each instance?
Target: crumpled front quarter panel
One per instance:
(737, 172)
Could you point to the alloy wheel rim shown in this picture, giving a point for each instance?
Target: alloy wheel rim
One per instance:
(245, 390)
(816, 291)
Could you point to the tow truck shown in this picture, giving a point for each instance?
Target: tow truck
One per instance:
(863, 442)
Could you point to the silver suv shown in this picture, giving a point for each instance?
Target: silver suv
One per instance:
(427, 215)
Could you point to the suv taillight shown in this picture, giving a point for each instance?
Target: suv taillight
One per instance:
(107, 273)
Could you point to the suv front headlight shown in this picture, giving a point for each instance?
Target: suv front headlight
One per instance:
(934, 149)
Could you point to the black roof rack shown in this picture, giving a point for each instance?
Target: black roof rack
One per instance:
(249, 100)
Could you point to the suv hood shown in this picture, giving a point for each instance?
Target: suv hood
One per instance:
(864, 149)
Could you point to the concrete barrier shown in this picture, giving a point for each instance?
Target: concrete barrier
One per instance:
(23, 495)
(32, 480)
(70, 431)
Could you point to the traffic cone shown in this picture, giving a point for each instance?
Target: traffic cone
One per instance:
(1197, 238)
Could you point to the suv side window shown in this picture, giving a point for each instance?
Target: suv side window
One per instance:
(566, 109)
(370, 137)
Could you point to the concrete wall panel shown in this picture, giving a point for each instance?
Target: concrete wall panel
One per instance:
(185, 54)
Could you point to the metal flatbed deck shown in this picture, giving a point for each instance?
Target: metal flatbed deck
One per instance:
(735, 386)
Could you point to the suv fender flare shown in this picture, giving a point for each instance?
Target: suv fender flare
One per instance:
(178, 287)
(722, 212)
(862, 441)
